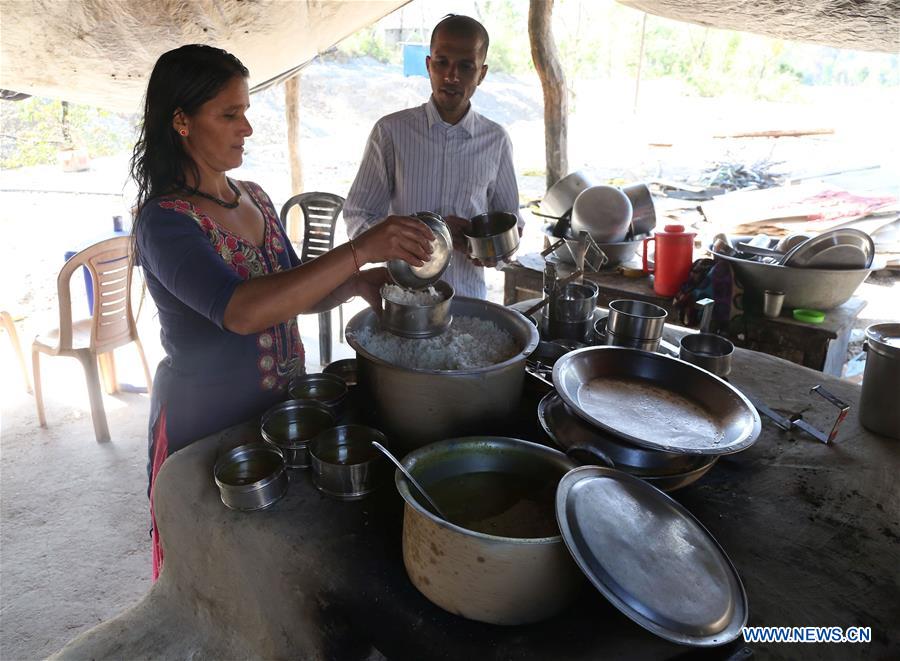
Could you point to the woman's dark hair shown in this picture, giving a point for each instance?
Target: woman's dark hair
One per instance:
(182, 79)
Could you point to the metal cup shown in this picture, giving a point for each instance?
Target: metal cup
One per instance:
(708, 351)
(772, 302)
(636, 319)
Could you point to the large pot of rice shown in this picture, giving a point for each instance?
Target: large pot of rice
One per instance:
(466, 381)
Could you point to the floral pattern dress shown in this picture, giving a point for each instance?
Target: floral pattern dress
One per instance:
(212, 378)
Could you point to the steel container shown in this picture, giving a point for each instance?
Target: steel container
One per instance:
(417, 406)
(635, 320)
(488, 578)
(291, 425)
(643, 216)
(879, 403)
(419, 321)
(327, 389)
(820, 289)
(707, 351)
(345, 464)
(614, 253)
(561, 196)
(493, 237)
(251, 477)
(614, 340)
(345, 368)
(417, 277)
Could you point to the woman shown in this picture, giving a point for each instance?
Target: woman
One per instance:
(218, 264)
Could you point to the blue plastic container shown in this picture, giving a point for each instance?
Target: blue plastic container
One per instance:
(414, 59)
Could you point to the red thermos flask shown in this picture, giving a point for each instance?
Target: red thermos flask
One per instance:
(674, 256)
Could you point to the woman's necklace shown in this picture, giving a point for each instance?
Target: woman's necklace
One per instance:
(219, 201)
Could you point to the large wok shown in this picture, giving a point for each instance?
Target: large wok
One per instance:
(656, 401)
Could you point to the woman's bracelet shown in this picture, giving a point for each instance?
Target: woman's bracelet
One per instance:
(355, 258)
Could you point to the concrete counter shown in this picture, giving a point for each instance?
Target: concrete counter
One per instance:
(813, 530)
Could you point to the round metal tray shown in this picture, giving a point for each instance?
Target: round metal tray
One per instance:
(672, 405)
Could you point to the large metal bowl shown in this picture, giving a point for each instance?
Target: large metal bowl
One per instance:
(616, 253)
(820, 289)
(417, 406)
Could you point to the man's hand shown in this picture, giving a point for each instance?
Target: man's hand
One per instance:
(458, 227)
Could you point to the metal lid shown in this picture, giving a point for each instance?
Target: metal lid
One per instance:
(419, 277)
(650, 557)
(885, 339)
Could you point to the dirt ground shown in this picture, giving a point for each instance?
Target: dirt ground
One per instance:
(74, 544)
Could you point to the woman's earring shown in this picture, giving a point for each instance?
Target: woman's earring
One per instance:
(183, 133)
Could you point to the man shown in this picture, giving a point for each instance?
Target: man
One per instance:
(441, 156)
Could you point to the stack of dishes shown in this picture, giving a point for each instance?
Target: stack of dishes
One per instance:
(821, 272)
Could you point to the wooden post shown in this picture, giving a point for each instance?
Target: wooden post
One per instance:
(553, 82)
(292, 117)
(637, 82)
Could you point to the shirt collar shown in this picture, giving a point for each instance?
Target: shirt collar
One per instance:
(466, 124)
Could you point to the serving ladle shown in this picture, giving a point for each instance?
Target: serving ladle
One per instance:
(387, 453)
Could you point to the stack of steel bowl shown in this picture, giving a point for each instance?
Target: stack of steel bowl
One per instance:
(572, 311)
(635, 324)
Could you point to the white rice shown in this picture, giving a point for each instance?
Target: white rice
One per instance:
(403, 296)
(468, 344)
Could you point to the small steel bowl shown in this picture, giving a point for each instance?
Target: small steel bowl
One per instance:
(346, 369)
(327, 389)
(708, 351)
(417, 277)
(493, 237)
(292, 424)
(251, 477)
(419, 321)
(345, 464)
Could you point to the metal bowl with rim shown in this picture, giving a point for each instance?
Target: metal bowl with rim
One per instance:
(345, 368)
(345, 464)
(292, 424)
(418, 277)
(251, 477)
(419, 321)
(493, 237)
(327, 389)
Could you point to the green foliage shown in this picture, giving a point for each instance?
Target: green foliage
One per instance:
(369, 42)
(31, 131)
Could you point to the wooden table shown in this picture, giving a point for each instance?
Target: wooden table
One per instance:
(820, 346)
(812, 529)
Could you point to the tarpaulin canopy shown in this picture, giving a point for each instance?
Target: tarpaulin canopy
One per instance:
(101, 52)
(872, 25)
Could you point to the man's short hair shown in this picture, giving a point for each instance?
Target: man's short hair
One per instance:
(462, 26)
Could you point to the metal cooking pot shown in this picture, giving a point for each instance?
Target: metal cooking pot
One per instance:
(498, 580)
(643, 216)
(416, 407)
(636, 320)
(879, 403)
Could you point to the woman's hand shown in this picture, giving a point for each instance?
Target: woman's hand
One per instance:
(396, 237)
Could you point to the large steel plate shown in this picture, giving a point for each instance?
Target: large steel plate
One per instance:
(656, 401)
(650, 557)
